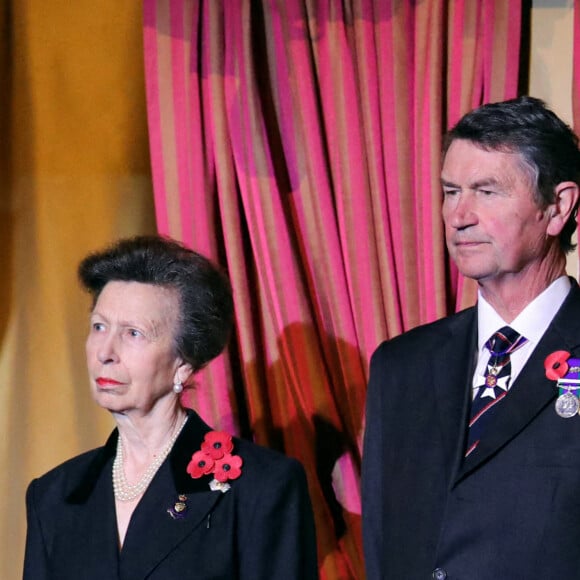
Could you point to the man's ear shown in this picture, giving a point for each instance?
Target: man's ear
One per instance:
(566, 194)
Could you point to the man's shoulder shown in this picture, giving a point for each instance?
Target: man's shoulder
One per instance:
(432, 334)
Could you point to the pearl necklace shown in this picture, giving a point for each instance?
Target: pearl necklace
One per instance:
(125, 491)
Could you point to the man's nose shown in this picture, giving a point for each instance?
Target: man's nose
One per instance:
(461, 211)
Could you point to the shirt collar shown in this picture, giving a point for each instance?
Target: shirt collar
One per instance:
(532, 321)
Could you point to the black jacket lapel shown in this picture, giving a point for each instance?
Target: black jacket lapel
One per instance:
(453, 365)
(153, 532)
(532, 391)
(93, 546)
(156, 529)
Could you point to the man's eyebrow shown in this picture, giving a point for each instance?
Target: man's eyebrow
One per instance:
(446, 183)
(475, 185)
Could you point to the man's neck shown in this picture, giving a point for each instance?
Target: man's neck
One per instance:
(511, 294)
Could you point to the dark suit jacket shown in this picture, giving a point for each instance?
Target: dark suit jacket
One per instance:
(261, 528)
(510, 511)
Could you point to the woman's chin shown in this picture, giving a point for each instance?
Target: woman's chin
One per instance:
(111, 400)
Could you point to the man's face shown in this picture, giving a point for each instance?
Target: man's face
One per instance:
(494, 229)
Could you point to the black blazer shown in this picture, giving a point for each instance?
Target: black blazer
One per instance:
(510, 511)
(261, 528)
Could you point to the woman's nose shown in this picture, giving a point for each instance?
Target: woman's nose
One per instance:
(107, 351)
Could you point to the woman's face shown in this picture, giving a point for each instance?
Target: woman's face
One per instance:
(130, 348)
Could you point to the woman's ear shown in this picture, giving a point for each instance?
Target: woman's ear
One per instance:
(566, 196)
(183, 373)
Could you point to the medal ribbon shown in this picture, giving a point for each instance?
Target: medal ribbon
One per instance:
(573, 375)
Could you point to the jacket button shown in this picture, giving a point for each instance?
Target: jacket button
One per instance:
(439, 574)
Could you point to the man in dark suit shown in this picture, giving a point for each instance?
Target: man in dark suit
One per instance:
(470, 469)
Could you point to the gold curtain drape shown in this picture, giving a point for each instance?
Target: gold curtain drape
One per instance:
(74, 168)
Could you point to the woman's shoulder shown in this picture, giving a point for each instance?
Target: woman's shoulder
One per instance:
(62, 479)
(76, 463)
(258, 461)
(266, 472)
(262, 458)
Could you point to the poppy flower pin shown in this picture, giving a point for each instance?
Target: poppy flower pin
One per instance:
(215, 457)
(556, 365)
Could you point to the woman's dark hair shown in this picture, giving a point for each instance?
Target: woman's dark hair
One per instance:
(205, 296)
(548, 147)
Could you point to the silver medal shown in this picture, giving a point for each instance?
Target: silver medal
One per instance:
(567, 405)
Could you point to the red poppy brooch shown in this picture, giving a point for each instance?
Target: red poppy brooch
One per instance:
(215, 457)
(566, 372)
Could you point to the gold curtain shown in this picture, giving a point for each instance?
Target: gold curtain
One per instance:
(74, 175)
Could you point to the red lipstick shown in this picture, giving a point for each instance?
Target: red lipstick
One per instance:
(105, 382)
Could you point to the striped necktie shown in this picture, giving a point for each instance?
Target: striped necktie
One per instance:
(495, 384)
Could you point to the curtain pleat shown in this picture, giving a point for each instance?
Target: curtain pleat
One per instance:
(298, 144)
(483, 66)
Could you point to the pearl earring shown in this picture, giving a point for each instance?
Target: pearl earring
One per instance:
(177, 387)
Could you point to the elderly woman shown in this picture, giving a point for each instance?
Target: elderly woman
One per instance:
(166, 497)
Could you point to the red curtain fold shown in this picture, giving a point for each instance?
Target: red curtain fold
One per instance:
(298, 143)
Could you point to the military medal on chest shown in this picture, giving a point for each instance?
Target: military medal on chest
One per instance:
(566, 372)
(567, 405)
(491, 379)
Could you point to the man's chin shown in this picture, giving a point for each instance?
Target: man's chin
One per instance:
(477, 272)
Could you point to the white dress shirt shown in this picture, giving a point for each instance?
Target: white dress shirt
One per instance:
(531, 322)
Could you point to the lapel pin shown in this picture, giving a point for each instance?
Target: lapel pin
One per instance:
(179, 509)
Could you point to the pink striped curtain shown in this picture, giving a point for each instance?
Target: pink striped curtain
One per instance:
(576, 74)
(483, 67)
(297, 142)
(576, 66)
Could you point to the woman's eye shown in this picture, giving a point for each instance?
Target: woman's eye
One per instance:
(98, 326)
(134, 333)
